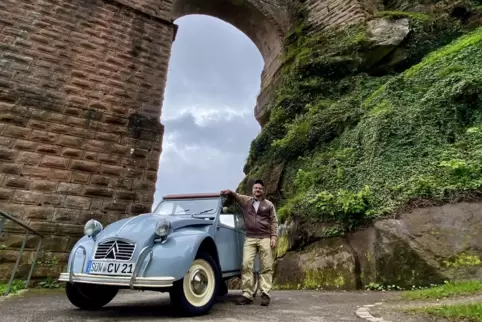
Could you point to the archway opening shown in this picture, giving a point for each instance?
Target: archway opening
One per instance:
(212, 85)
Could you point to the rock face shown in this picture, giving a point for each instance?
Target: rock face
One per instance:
(329, 264)
(421, 247)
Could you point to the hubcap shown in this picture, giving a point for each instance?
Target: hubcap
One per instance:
(199, 282)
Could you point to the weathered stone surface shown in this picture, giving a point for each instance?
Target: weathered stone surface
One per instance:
(424, 246)
(431, 244)
(327, 264)
(387, 32)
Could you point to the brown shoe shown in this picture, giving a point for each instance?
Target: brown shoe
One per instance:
(243, 300)
(265, 300)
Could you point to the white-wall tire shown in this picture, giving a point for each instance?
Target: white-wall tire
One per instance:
(196, 292)
(199, 283)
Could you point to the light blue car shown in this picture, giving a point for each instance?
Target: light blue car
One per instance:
(189, 246)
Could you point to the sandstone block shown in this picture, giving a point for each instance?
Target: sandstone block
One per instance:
(59, 175)
(98, 192)
(29, 158)
(43, 185)
(86, 166)
(80, 177)
(27, 197)
(7, 154)
(72, 153)
(13, 181)
(30, 171)
(77, 202)
(111, 159)
(70, 188)
(49, 149)
(111, 170)
(43, 136)
(5, 194)
(17, 132)
(54, 162)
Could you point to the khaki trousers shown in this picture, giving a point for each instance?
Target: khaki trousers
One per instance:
(252, 246)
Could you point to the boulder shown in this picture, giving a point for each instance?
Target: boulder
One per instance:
(422, 247)
(384, 35)
(327, 264)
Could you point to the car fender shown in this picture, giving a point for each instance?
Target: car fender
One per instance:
(174, 256)
(80, 254)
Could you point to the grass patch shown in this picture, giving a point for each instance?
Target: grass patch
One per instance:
(447, 290)
(459, 312)
(17, 286)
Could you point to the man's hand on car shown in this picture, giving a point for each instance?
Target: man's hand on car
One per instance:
(226, 192)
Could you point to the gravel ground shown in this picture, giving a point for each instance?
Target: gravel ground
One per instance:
(306, 306)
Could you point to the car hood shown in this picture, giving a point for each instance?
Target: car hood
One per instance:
(143, 226)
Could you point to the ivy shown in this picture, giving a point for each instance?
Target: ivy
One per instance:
(361, 142)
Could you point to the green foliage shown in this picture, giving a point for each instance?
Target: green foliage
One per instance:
(17, 285)
(361, 141)
(49, 283)
(455, 312)
(448, 289)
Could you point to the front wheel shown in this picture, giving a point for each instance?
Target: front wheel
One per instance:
(90, 296)
(196, 292)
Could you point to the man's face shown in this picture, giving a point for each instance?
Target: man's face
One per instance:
(258, 190)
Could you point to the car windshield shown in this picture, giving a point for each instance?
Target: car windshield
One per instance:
(176, 207)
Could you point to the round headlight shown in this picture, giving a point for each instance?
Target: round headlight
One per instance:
(92, 228)
(163, 228)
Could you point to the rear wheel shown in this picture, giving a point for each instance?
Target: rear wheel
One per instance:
(89, 296)
(196, 292)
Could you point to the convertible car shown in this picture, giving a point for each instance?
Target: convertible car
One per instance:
(189, 246)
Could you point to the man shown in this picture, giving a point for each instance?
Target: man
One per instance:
(261, 226)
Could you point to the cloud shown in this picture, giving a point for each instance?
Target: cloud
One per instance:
(213, 81)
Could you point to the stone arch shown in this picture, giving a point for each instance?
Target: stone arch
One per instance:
(261, 21)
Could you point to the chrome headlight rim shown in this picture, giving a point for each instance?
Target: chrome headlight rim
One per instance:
(163, 228)
(92, 228)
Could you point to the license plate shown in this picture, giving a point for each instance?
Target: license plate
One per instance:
(110, 268)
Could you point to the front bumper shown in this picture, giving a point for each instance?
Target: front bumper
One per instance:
(132, 282)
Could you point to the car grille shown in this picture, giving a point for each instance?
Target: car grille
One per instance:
(115, 249)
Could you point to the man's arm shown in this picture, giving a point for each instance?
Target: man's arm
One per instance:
(242, 199)
(274, 222)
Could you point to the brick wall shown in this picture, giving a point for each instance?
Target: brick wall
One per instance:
(81, 89)
(81, 85)
(334, 13)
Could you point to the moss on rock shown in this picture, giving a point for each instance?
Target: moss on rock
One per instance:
(358, 143)
(327, 264)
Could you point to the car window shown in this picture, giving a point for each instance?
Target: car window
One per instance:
(236, 212)
(227, 220)
(175, 207)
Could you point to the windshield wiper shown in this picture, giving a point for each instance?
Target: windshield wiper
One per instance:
(204, 211)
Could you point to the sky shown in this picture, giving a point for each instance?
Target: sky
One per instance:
(213, 80)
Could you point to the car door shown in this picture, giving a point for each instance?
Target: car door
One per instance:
(227, 241)
(240, 232)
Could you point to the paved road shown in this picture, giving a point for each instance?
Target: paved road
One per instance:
(52, 306)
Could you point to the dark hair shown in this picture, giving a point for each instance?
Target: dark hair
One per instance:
(259, 181)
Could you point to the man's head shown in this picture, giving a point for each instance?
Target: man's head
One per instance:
(258, 189)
